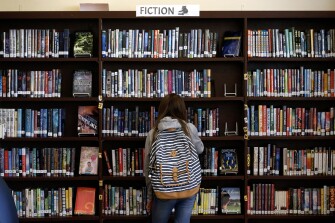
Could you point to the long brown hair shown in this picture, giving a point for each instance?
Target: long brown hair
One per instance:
(174, 106)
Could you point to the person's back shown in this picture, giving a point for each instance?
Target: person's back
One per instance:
(171, 115)
(8, 213)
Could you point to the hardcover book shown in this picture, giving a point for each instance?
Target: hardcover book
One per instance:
(88, 120)
(85, 201)
(230, 200)
(231, 44)
(82, 83)
(83, 44)
(228, 162)
(88, 160)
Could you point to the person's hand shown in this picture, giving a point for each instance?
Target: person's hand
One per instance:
(149, 205)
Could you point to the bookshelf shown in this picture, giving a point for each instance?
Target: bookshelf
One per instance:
(232, 110)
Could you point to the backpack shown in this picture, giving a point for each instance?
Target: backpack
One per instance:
(174, 166)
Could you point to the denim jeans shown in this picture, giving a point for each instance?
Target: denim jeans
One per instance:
(161, 210)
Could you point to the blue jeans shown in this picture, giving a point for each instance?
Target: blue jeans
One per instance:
(161, 210)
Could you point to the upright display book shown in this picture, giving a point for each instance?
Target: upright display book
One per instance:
(231, 44)
(88, 116)
(230, 200)
(85, 201)
(88, 160)
(83, 44)
(82, 83)
(228, 162)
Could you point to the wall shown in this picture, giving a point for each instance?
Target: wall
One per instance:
(205, 5)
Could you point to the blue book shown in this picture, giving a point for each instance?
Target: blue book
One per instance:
(103, 43)
(54, 122)
(66, 42)
(2, 162)
(28, 122)
(10, 163)
(231, 44)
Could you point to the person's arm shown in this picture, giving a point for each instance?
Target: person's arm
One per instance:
(7, 206)
(198, 144)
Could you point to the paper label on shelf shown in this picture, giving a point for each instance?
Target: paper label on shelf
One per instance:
(167, 10)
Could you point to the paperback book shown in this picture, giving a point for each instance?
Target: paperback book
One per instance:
(85, 201)
(82, 83)
(88, 160)
(230, 200)
(83, 44)
(228, 162)
(88, 120)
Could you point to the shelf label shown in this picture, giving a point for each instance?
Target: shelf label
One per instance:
(167, 10)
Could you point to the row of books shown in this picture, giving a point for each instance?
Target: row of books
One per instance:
(291, 42)
(266, 199)
(124, 201)
(125, 161)
(35, 43)
(155, 43)
(126, 122)
(34, 162)
(130, 161)
(30, 84)
(27, 122)
(218, 161)
(144, 83)
(132, 201)
(274, 160)
(220, 200)
(48, 202)
(264, 120)
(303, 82)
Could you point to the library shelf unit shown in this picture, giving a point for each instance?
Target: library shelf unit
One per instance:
(225, 71)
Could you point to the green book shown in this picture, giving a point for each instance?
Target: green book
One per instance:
(83, 44)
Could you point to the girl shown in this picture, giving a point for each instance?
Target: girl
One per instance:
(171, 114)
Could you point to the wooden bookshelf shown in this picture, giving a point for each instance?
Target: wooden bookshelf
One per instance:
(232, 110)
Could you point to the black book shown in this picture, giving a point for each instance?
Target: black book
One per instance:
(82, 83)
(231, 44)
(83, 44)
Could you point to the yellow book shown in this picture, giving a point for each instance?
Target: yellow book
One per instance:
(70, 201)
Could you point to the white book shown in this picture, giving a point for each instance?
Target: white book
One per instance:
(256, 161)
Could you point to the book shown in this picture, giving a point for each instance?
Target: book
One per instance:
(88, 160)
(83, 44)
(228, 162)
(231, 44)
(82, 83)
(85, 201)
(88, 120)
(230, 200)
(109, 167)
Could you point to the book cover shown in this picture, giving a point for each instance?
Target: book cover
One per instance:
(228, 161)
(88, 120)
(82, 83)
(231, 44)
(88, 160)
(230, 200)
(83, 44)
(85, 201)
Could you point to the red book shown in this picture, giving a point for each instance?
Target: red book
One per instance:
(6, 165)
(120, 162)
(108, 163)
(85, 201)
